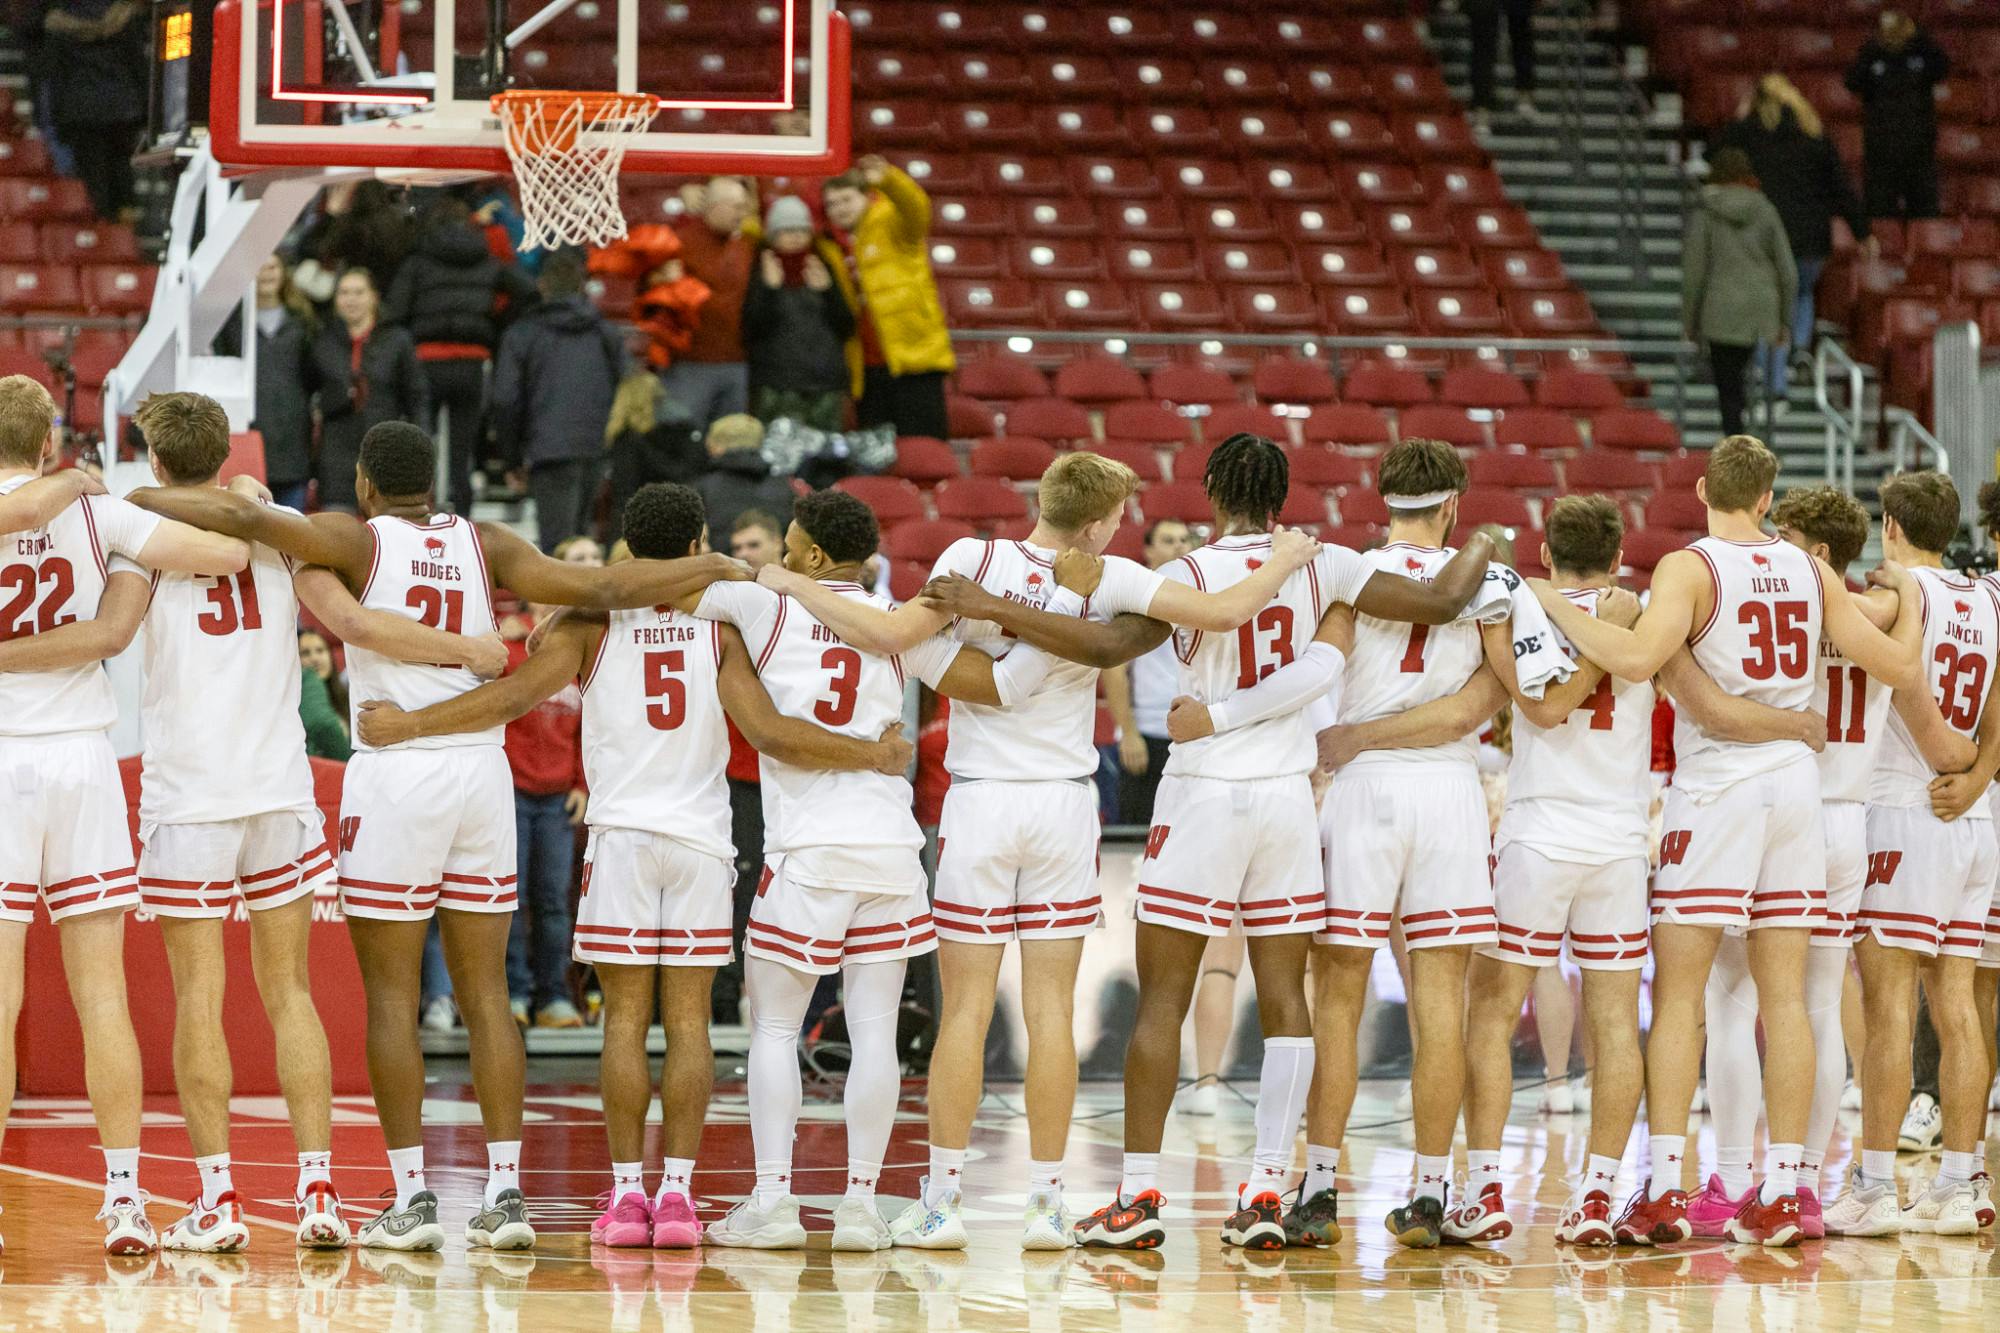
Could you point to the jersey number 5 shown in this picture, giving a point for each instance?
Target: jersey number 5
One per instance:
(1275, 623)
(663, 682)
(844, 666)
(226, 593)
(1778, 645)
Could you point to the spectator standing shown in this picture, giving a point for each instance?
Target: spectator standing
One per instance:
(363, 372)
(756, 539)
(361, 224)
(322, 699)
(796, 324)
(1800, 172)
(1894, 76)
(450, 293)
(647, 443)
(718, 245)
(1738, 281)
(95, 54)
(558, 373)
(285, 329)
(1483, 17)
(1140, 692)
(898, 360)
(738, 478)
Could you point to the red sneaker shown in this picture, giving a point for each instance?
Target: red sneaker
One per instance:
(1588, 1222)
(1812, 1223)
(1650, 1221)
(1775, 1224)
(1476, 1221)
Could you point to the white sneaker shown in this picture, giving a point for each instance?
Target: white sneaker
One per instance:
(413, 1228)
(1923, 1125)
(858, 1225)
(1557, 1099)
(1700, 1102)
(748, 1227)
(939, 1227)
(1850, 1096)
(321, 1227)
(217, 1230)
(1203, 1099)
(1045, 1226)
(1872, 1210)
(1953, 1213)
(127, 1230)
(1579, 1092)
(440, 1015)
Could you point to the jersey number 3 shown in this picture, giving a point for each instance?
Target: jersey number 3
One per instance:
(843, 688)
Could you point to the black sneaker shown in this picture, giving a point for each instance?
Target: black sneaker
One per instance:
(1256, 1225)
(1418, 1224)
(1315, 1222)
(1125, 1226)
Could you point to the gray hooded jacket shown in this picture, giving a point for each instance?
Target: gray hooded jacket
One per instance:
(1738, 281)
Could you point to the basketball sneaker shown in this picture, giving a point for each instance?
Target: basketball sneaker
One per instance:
(1953, 1211)
(858, 1226)
(1478, 1220)
(1315, 1222)
(1557, 1099)
(1650, 1221)
(1586, 1221)
(127, 1230)
(502, 1226)
(774, 1226)
(321, 1227)
(1812, 1221)
(1256, 1225)
(411, 1228)
(1774, 1224)
(217, 1230)
(626, 1225)
(1419, 1224)
(1923, 1125)
(675, 1227)
(1044, 1226)
(1122, 1225)
(1982, 1191)
(1865, 1210)
(922, 1227)
(1710, 1208)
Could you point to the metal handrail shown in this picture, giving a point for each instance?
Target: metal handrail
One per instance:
(1904, 426)
(1843, 431)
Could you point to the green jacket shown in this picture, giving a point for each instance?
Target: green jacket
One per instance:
(326, 729)
(1738, 281)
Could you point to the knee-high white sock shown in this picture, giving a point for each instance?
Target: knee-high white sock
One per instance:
(1282, 1086)
(1735, 1075)
(1826, 974)
(872, 1000)
(778, 1000)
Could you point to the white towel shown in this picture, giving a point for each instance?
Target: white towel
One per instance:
(1539, 660)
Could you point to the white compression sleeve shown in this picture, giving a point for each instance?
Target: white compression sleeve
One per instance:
(872, 1000)
(1735, 1076)
(1286, 690)
(778, 1000)
(1826, 974)
(1020, 673)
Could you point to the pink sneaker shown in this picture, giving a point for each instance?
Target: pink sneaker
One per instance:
(626, 1224)
(1812, 1223)
(1710, 1209)
(675, 1227)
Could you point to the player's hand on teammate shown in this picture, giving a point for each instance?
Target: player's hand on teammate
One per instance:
(1188, 720)
(1336, 747)
(957, 595)
(487, 658)
(1618, 606)
(781, 580)
(575, 804)
(1955, 793)
(1293, 548)
(1079, 571)
(1812, 730)
(896, 751)
(1889, 575)
(83, 481)
(250, 488)
(381, 723)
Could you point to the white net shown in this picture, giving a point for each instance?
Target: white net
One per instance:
(566, 149)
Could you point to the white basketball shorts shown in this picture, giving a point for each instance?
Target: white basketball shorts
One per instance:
(1017, 860)
(1930, 884)
(1846, 825)
(1223, 852)
(1600, 910)
(1413, 842)
(649, 900)
(65, 837)
(424, 829)
(1752, 857)
(199, 870)
(821, 930)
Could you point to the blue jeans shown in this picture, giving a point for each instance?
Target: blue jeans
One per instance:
(538, 967)
(437, 978)
(1776, 361)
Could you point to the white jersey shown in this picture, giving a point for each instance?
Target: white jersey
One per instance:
(1961, 642)
(1049, 734)
(53, 576)
(845, 819)
(220, 707)
(432, 571)
(655, 742)
(1582, 791)
(1856, 708)
(1396, 666)
(1760, 643)
(1216, 666)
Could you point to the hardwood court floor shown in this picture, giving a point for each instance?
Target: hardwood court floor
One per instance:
(54, 1276)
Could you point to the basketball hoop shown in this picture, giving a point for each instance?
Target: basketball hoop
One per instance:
(566, 148)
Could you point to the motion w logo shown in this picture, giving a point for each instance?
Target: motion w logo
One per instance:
(1156, 838)
(350, 827)
(1882, 867)
(1674, 847)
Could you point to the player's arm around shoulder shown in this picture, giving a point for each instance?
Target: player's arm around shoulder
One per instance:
(32, 505)
(1731, 717)
(519, 567)
(1681, 591)
(1073, 637)
(1893, 658)
(340, 542)
(1439, 722)
(1393, 597)
(792, 740)
(1291, 687)
(559, 659)
(392, 635)
(1220, 612)
(869, 628)
(127, 594)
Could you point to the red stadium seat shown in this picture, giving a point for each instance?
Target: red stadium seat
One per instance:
(1203, 178)
(1274, 308)
(1434, 421)
(43, 198)
(1113, 177)
(923, 539)
(902, 122)
(1217, 29)
(1681, 471)
(1154, 261)
(1380, 183)
(1085, 127)
(1251, 261)
(1012, 457)
(1596, 470)
(1313, 465)
(924, 460)
(1577, 391)
(1971, 238)
(990, 303)
(1023, 173)
(1677, 509)
(1507, 470)
(1441, 137)
(1454, 314)
(1347, 424)
(1292, 379)
(1411, 87)
(1177, 305)
(1060, 216)
(1411, 225)
(1098, 378)
(1082, 78)
(1235, 220)
(1381, 384)
(1370, 311)
(979, 500)
(98, 243)
(975, 215)
(1049, 258)
(1320, 223)
(943, 173)
(1474, 387)
(1145, 219)
(119, 289)
(1003, 125)
(1455, 183)
(1141, 457)
(31, 288)
(1354, 536)
(24, 157)
(1095, 304)
(1346, 132)
(1129, 29)
(986, 74)
(1646, 547)
(1048, 419)
(1152, 79)
(1550, 314)
(893, 71)
(1968, 148)
(1148, 421)
(1184, 500)
(1191, 463)
(1506, 508)
(968, 418)
(1496, 227)
(1536, 428)
(1238, 79)
(1525, 270)
(1244, 418)
(1346, 265)
(1303, 505)
(907, 579)
(1318, 84)
(1437, 266)
(967, 257)
(1296, 179)
(1182, 383)
(893, 499)
(1263, 131)
(1363, 506)
(1173, 129)
(1001, 375)
(1633, 428)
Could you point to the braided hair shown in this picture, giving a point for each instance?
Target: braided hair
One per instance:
(1248, 476)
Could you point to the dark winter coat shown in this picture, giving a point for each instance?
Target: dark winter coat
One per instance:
(450, 290)
(284, 401)
(795, 338)
(741, 480)
(1802, 176)
(1898, 109)
(554, 382)
(95, 82)
(388, 385)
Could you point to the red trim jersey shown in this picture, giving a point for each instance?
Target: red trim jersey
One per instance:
(1856, 707)
(1396, 666)
(53, 576)
(432, 571)
(1961, 645)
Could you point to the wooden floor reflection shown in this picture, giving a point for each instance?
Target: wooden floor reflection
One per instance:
(55, 1277)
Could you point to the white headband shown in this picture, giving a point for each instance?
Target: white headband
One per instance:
(1431, 501)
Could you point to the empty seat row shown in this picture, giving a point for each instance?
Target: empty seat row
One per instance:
(108, 289)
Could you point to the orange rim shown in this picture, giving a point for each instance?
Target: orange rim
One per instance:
(552, 131)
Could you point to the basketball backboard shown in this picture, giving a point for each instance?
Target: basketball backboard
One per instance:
(757, 86)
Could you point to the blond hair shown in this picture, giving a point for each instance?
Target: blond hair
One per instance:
(736, 432)
(1081, 488)
(187, 432)
(1741, 470)
(27, 415)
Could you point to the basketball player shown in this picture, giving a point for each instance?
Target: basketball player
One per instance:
(1929, 886)
(843, 888)
(39, 499)
(1234, 836)
(65, 839)
(428, 824)
(654, 917)
(1017, 843)
(1742, 844)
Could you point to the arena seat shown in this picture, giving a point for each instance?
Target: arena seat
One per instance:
(893, 499)
(924, 460)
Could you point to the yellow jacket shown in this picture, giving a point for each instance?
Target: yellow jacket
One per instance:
(892, 259)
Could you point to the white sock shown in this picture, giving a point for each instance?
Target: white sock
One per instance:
(676, 1177)
(1666, 1151)
(1954, 1167)
(1732, 1166)
(861, 1178)
(1809, 1166)
(1482, 1165)
(1141, 1172)
(774, 1182)
(627, 1178)
(1878, 1168)
(1979, 1154)
(1322, 1169)
(1781, 1171)
(121, 1175)
(313, 1167)
(1282, 1085)
(406, 1165)
(1433, 1176)
(503, 1169)
(1045, 1181)
(215, 1181)
(1601, 1174)
(947, 1175)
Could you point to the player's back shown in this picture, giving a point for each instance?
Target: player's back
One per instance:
(1961, 631)
(430, 570)
(220, 706)
(1856, 707)
(1215, 666)
(1396, 666)
(1760, 642)
(655, 742)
